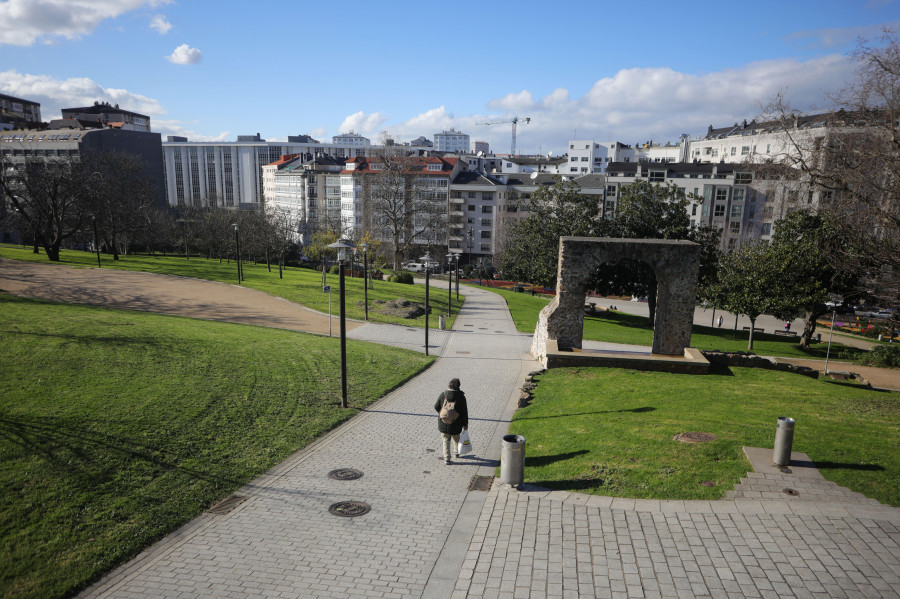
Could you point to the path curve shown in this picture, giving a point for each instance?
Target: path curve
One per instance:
(161, 294)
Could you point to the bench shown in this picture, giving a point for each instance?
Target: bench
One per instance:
(786, 333)
(755, 329)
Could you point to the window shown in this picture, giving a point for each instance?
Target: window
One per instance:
(657, 175)
(767, 229)
(721, 194)
(573, 159)
(485, 247)
(574, 169)
(737, 194)
(745, 150)
(743, 178)
(486, 222)
(584, 158)
(485, 234)
(715, 153)
(737, 211)
(733, 150)
(719, 210)
(611, 190)
(487, 209)
(471, 208)
(471, 195)
(694, 210)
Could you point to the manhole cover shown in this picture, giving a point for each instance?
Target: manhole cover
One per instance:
(708, 483)
(349, 509)
(694, 437)
(481, 483)
(227, 504)
(791, 492)
(345, 474)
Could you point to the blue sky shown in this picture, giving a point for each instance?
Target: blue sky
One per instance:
(596, 70)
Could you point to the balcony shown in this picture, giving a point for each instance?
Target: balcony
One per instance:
(457, 200)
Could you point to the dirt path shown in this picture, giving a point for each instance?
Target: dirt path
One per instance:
(162, 294)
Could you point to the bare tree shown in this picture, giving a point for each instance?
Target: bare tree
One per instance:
(52, 198)
(404, 203)
(852, 162)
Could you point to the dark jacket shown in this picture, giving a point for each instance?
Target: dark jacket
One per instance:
(455, 427)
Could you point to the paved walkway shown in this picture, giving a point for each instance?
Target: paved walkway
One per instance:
(428, 536)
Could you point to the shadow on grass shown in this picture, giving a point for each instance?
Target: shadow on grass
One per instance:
(534, 462)
(634, 410)
(58, 443)
(845, 466)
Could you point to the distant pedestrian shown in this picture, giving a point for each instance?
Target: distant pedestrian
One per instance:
(453, 418)
(787, 327)
(719, 321)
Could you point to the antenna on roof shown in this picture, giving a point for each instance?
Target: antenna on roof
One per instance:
(479, 154)
(534, 175)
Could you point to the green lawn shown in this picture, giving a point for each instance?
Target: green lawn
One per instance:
(299, 285)
(609, 431)
(618, 327)
(116, 427)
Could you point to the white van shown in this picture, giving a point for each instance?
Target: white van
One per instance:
(414, 266)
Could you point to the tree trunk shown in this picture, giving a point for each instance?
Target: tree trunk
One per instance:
(752, 326)
(809, 329)
(268, 263)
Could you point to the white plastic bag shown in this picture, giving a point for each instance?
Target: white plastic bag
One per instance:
(465, 443)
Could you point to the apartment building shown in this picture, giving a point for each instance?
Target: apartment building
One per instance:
(307, 190)
(451, 141)
(106, 114)
(16, 113)
(428, 177)
(229, 174)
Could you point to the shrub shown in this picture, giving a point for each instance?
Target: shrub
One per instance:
(886, 356)
(335, 269)
(402, 277)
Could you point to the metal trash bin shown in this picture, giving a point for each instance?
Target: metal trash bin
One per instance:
(784, 441)
(442, 322)
(512, 460)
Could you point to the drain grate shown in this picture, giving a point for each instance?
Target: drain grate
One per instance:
(349, 509)
(791, 492)
(463, 352)
(481, 483)
(227, 504)
(345, 474)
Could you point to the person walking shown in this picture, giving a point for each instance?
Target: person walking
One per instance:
(719, 322)
(453, 418)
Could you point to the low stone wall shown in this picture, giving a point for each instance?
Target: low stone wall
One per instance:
(746, 360)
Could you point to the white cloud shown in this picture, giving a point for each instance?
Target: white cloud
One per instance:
(160, 24)
(56, 94)
(513, 102)
(184, 54)
(318, 133)
(837, 37)
(175, 127)
(22, 22)
(362, 123)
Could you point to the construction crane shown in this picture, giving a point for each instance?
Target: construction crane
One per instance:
(514, 122)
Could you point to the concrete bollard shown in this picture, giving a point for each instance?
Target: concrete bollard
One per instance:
(442, 322)
(512, 460)
(784, 441)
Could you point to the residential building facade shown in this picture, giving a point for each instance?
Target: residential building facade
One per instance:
(451, 141)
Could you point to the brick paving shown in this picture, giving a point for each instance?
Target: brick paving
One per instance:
(428, 536)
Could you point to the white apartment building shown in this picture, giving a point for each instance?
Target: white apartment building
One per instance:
(351, 139)
(305, 189)
(480, 146)
(451, 141)
(229, 174)
(430, 175)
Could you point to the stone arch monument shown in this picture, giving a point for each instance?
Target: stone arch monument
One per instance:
(676, 266)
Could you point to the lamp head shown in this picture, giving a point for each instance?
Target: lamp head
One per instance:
(341, 245)
(236, 226)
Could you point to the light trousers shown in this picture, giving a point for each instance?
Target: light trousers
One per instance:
(451, 444)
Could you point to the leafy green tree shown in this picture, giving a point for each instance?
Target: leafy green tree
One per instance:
(750, 282)
(647, 210)
(806, 243)
(531, 251)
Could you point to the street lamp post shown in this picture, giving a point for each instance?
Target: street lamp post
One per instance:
(342, 245)
(96, 243)
(456, 270)
(237, 248)
(426, 260)
(365, 250)
(450, 287)
(833, 303)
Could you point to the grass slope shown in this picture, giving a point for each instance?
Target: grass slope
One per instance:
(609, 431)
(299, 285)
(116, 427)
(618, 327)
